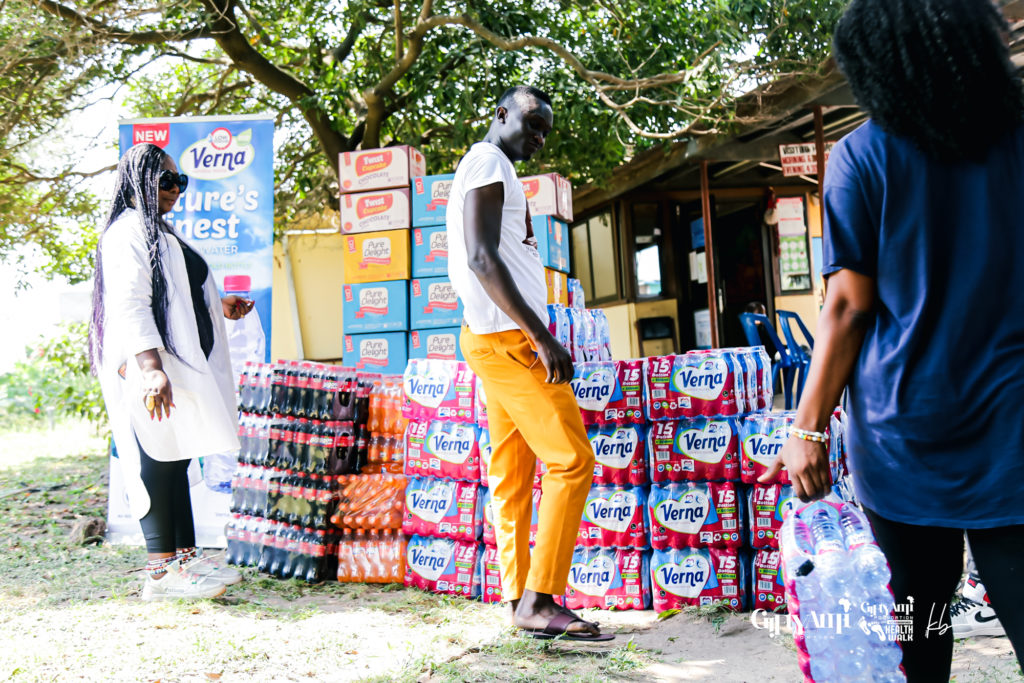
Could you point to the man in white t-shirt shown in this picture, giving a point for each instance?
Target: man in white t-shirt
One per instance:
(494, 266)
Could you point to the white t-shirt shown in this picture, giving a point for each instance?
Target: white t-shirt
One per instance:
(485, 164)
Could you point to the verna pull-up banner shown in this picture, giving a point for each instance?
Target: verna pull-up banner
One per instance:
(226, 214)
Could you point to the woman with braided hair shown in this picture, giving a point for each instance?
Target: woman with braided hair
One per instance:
(157, 342)
(923, 318)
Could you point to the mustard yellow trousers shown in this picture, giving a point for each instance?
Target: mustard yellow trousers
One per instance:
(530, 419)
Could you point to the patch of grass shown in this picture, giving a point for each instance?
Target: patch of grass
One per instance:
(717, 613)
(517, 658)
(40, 500)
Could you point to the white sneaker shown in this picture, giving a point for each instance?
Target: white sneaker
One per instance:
(970, 618)
(213, 567)
(178, 584)
(974, 590)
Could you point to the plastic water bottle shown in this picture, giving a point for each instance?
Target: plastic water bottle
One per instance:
(218, 471)
(868, 558)
(831, 560)
(831, 548)
(246, 339)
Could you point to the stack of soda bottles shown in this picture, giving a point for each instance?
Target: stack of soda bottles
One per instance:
(303, 425)
(371, 504)
(444, 500)
(837, 584)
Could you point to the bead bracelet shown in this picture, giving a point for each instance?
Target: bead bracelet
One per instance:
(818, 437)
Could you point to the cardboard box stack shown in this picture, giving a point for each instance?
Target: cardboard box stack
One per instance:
(435, 312)
(549, 197)
(376, 217)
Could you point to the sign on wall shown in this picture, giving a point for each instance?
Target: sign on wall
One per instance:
(794, 261)
(802, 159)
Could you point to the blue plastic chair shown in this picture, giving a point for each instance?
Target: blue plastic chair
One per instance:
(801, 358)
(785, 366)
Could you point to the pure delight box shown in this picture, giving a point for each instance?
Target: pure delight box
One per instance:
(430, 199)
(558, 287)
(552, 242)
(383, 352)
(375, 211)
(430, 251)
(375, 307)
(379, 169)
(433, 303)
(376, 256)
(442, 343)
(548, 195)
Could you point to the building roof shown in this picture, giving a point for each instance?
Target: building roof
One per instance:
(778, 113)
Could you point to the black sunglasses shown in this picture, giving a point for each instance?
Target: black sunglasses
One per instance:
(169, 179)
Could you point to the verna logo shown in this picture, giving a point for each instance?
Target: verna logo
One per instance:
(531, 188)
(430, 558)
(595, 577)
(707, 445)
(219, 155)
(686, 579)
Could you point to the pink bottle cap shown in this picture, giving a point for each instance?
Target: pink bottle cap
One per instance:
(237, 283)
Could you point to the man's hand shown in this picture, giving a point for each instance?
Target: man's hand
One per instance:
(556, 360)
(235, 307)
(808, 467)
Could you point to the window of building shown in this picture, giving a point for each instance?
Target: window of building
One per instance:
(647, 238)
(594, 254)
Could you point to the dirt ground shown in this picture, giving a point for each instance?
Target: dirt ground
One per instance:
(71, 612)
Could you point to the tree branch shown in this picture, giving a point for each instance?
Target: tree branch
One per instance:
(27, 176)
(225, 30)
(113, 33)
(342, 52)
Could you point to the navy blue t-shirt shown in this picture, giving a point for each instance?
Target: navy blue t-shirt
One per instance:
(936, 401)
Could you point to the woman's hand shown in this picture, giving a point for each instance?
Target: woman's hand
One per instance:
(808, 467)
(156, 393)
(235, 307)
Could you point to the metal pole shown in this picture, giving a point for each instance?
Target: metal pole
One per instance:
(709, 255)
(819, 145)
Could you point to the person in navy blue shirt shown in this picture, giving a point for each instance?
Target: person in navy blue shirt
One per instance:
(923, 318)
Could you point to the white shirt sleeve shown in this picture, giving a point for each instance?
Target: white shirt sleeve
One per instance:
(484, 170)
(128, 286)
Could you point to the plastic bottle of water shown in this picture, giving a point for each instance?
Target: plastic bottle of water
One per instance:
(831, 560)
(868, 558)
(246, 339)
(852, 641)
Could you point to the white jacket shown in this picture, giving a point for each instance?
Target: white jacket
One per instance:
(204, 420)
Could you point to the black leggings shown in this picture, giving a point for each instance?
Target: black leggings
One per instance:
(927, 563)
(168, 524)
